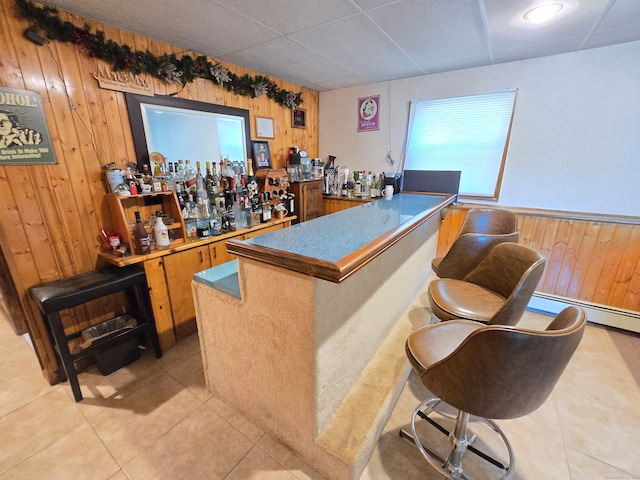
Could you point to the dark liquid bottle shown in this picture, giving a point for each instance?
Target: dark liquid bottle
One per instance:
(141, 240)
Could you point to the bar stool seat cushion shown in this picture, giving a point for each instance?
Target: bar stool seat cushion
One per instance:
(480, 304)
(73, 291)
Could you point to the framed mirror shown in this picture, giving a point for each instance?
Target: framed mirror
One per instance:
(183, 129)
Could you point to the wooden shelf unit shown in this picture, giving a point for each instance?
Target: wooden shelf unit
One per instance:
(122, 211)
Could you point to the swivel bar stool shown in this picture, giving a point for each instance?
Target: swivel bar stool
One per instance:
(489, 371)
(482, 229)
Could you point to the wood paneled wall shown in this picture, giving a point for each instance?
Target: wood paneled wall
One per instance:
(50, 214)
(594, 260)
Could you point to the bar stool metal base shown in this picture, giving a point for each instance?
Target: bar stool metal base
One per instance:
(451, 467)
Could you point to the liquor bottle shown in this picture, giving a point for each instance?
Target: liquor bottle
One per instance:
(210, 182)
(189, 177)
(202, 218)
(266, 210)
(247, 213)
(252, 186)
(201, 190)
(238, 213)
(215, 223)
(141, 240)
(374, 185)
(357, 184)
(171, 178)
(366, 185)
(161, 234)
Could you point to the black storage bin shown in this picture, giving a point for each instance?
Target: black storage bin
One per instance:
(113, 355)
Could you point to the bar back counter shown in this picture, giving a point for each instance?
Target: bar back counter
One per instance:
(304, 333)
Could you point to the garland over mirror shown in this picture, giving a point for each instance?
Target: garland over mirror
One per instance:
(167, 67)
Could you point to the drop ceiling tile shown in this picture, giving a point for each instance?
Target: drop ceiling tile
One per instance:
(613, 37)
(369, 4)
(433, 31)
(533, 51)
(289, 16)
(623, 13)
(357, 44)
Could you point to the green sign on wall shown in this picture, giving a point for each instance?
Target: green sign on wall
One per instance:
(24, 137)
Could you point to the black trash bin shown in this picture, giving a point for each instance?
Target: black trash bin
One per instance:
(111, 356)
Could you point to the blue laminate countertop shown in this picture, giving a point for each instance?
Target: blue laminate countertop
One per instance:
(334, 246)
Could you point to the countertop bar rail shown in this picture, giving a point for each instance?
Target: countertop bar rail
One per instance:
(338, 270)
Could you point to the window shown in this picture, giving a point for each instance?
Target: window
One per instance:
(470, 134)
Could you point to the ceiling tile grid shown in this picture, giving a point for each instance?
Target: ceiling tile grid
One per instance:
(330, 44)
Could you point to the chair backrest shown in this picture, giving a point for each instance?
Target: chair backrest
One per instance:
(506, 372)
(493, 221)
(482, 229)
(512, 271)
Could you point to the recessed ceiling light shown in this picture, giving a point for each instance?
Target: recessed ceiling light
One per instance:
(542, 13)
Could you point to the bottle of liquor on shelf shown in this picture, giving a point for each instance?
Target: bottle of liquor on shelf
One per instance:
(357, 184)
(252, 186)
(201, 190)
(215, 223)
(161, 234)
(202, 218)
(210, 182)
(374, 185)
(171, 177)
(247, 213)
(141, 239)
(189, 177)
(265, 216)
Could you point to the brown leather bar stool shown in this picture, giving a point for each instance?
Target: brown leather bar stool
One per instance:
(482, 229)
(52, 297)
(496, 291)
(489, 371)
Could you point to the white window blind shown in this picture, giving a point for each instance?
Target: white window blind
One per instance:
(469, 134)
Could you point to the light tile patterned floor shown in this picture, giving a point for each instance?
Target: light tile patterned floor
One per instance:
(155, 420)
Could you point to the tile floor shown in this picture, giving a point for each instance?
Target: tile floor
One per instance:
(155, 420)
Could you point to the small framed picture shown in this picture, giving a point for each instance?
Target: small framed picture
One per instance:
(261, 155)
(298, 118)
(264, 127)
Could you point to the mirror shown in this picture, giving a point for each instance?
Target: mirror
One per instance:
(183, 129)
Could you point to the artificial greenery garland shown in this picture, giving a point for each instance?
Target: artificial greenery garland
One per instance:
(166, 67)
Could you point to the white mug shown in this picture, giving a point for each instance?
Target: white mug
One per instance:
(387, 193)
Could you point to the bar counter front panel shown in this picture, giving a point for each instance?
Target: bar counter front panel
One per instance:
(304, 333)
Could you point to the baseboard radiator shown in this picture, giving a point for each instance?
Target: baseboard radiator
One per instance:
(600, 314)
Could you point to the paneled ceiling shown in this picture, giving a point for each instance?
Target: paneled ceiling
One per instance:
(329, 44)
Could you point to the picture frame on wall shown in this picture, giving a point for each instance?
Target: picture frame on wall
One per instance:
(264, 127)
(261, 155)
(298, 118)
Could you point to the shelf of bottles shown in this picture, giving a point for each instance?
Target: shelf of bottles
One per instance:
(343, 182)
(223, 197)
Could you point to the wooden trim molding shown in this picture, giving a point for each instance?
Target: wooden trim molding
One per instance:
(563, 214)
(339, 270)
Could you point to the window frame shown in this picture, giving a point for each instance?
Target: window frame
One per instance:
(499, 172)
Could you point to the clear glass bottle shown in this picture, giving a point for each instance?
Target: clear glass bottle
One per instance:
(189, 177)
(215, 223)
(201, 189)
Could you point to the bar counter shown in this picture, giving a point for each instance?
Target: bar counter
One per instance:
(304, 333)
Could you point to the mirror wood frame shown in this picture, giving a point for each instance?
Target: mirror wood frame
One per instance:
(134, 102)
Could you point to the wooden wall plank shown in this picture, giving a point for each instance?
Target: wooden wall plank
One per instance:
(629, 264)
(569, 259)
(611, 264)
(556, 241)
